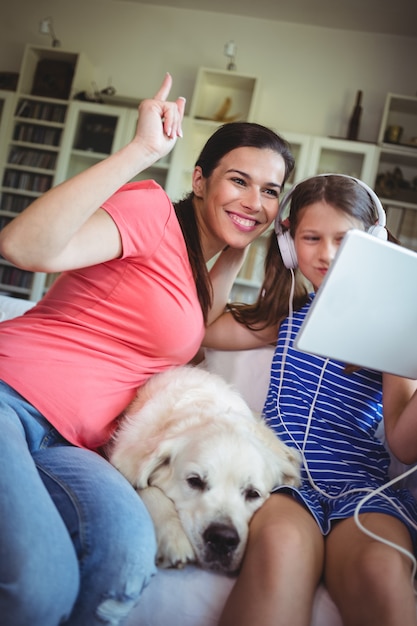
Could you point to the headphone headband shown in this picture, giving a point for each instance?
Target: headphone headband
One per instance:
(285, 241)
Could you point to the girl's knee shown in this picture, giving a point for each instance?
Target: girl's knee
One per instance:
(284, 522)
(375, 572)
(372, 565)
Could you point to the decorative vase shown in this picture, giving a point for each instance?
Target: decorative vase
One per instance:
(355, 118)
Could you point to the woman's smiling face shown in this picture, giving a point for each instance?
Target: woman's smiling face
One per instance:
(239, 200)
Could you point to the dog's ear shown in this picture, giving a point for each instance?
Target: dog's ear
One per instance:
(139, 464)
(285, 460)
(150, 466)
(283, 464)
(291, 466)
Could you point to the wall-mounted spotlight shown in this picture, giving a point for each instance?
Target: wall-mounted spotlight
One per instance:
(230, 53)
(46, 27)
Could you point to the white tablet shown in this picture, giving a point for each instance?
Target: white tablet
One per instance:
(365, 311)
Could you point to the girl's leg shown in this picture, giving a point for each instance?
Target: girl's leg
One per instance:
(281, 568)
(111, 530)
(369, 581)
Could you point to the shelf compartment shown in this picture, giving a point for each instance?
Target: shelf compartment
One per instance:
(39, 109)
(396, 177)
(399, 111)
(341, 156)
(14, 278)
(28, 181)
(402, 223)
(33, 158)
(14, 203)
(53, 73)
(214, 86)
(95, 132)
(37, 133)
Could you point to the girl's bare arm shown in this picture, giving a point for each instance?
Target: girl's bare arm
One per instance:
(400, 416)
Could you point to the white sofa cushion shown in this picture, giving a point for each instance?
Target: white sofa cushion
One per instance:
(12, 307)
(193, 597)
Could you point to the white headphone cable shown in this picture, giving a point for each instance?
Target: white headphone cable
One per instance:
(286, 345)
(378, 491)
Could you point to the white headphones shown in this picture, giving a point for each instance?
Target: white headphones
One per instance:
(286, 242)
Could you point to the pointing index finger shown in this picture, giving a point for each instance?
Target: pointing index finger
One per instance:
(163, 91)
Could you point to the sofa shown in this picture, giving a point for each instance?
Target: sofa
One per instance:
(191, 596)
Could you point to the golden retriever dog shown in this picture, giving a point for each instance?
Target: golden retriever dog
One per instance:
(202, 462)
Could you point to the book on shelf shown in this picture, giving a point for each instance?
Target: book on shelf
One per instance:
(45, 111)
(14, 202)
(32, 158)
(10, 275)
(29, 181)
(34, 133)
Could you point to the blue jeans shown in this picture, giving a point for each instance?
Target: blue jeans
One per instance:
(77, 545)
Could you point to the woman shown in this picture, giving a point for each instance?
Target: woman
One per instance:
(76, 543)
(331, 414)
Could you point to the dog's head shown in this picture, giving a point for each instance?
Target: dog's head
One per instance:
(218, 475)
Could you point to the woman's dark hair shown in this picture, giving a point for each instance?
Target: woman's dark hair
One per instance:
(226, 138)
(342, 193)
(242, 135)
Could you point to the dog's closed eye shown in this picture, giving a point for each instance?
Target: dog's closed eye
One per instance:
(196, 482)
(252, 494)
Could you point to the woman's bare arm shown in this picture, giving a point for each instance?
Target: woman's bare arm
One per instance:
(222, 276)
(65, 228)
(225, 333)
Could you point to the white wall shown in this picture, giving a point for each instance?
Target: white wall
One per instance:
(309, 75)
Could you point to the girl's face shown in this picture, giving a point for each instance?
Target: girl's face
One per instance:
(239, 200)
(318, 235)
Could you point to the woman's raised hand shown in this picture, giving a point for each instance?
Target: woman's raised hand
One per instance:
(159, 123)
(63, 229)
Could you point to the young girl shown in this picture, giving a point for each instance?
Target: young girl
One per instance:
(76, 543)
(331, 414)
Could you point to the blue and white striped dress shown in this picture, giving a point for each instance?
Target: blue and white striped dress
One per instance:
(339, 439)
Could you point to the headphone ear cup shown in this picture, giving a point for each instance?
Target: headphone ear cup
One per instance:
(378, 231)
(287, 249)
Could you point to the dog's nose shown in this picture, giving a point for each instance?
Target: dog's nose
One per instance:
(221, 539)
